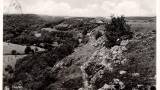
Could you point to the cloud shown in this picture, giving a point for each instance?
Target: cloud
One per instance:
(88, 7)
(53, 8)
(48, 7)
(128, 8)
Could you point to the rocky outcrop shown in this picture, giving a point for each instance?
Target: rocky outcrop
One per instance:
(101, 62)
(113, 69)
(103, 68)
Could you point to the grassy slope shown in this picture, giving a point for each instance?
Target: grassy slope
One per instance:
(141, 51)
(142, 24)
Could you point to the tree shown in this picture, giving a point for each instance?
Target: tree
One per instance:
(9, 69)
(116, 29)
(27, 50)
(9, 78)
(13, 52)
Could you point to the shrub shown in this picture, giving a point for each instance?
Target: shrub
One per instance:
(13, 52)
(84, 32)
(85, 39)
(27, 50)
(117, 28)
(9, 69)
(97, 35)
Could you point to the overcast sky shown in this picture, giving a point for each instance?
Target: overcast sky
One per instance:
(87, 7)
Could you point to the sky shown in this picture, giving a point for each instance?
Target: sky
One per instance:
(85, 7)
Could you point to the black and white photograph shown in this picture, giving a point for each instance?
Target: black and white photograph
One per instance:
(79, 45)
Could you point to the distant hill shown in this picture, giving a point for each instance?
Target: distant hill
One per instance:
(21, 29)
(141, 18)
(16, 24)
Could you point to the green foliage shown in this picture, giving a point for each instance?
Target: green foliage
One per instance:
(115, 29)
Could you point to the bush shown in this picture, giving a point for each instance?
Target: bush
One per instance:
(27, 50)
(85, 39)
(9, 69)
(116, 29)
(97, 35)
(13, 52)
(84, 32)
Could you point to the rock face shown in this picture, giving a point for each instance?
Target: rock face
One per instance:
(101, 62)
(103, 68)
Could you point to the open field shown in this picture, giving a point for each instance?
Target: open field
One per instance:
(8, 47)
(8, 58)
(142, 24)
